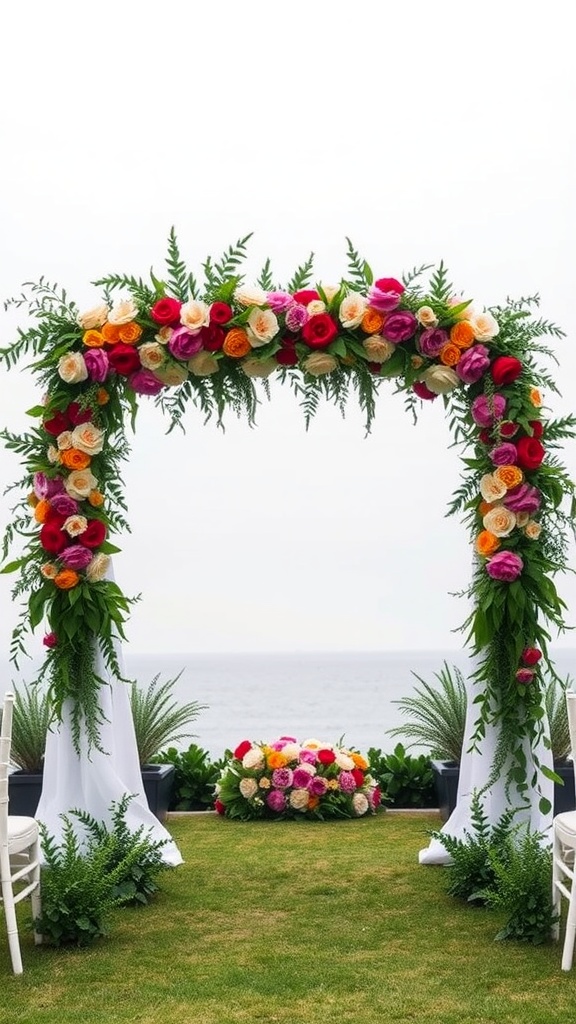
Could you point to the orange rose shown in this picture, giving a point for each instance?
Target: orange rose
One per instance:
(535, 397)
(462, 334)
(450, 354)
(93, 339)
(313, 802)
(130, 333)
(486, 543)
(110, 333)
(359, 761)
(510, 476)
(41, 511)
(372, 322)
(72, 458)
(485, 507)
(66, 579)
(236, 343)
(95, 499)
(102, 396)
(275, 759)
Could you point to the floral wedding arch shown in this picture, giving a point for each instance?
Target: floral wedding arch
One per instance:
(181, 341)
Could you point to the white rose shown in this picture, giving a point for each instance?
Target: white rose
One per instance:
(172, 374)
(254, 367)
(123, 312)
(352, 309)
(248, 788)
(93, 318)
(485, 326)
(262, 327)
(80, 482)
(250, 295)
(203, 364)
(440, 379)
(426, 316)
(315, 307)
(98, 567)
(359, 804)
(64, 440)
(88, 438)
(500, 521)
(194, 315)
(313, 744)
(319, 363)
(164, 335)
(75, 525)
(291, 751)
(152, 355)
(53, 455)
(344, 761)
(378, 349)
(299, 799)
(491, 488)
(72, 368)
(253, 758)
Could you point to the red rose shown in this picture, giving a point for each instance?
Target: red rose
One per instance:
(219, 807)
(537, 428)
(358, 776)
(376, 797)
(50, 640)
(52, 516)
(326, 756)
(508, 428)
(530, 453)
(77, 415)
(319, 331)
(286, 356)
(306, 296)
(486, 436)
(166, 311)
(220, 313)
(52, 538)
(505, 370)
(389, 284)
(531, 655)
(57, 424)
(375, 368)
(94, 534)
(212, 337)
(419, 388)
(124, 359)
(242, 749)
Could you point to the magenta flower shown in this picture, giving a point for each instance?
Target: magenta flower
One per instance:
(301, 778)
(279, 302)
(76, 556)
(318, 785)
(505, 566)
(486, 410)
(276, 800)
(64, 505)
(143, 382)
(184, 345)
(524, 676)
(400, 327)
(97, 364)
(50, 640)
(296, 317)
(473, 364)
(523, 498)
(384, 302)
(46, 487)
(282, 778)
(504, 454)
(432, 341)
(307, 756)
(347, 782)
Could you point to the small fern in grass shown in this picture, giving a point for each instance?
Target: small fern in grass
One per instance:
(437, 716)
(522, 887)
(471, 872)
(158, 718)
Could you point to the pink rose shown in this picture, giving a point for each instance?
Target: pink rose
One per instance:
(524, 676)
(76, 556)
(276, 800)
(184, 345)
(279, 302)
(97, 364)
(504, 454)
(400, 327)
(486, 410)
(523, 498)
(473, 364)
(143, 382)
(505, 566)
(432, 341)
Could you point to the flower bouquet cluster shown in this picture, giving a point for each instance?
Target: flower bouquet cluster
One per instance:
(287, 779)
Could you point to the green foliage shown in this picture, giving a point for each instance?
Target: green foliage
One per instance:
(195, 777)
(158, 718)
(471, 872)
(31, 719)
(405, 780)
(437, 715)
(555, 700)
(522, 887)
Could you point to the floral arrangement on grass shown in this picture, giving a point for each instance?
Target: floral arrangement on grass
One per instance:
(212, 344)
(287, 779)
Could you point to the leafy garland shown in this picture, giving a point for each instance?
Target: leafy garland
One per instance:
(183, 342)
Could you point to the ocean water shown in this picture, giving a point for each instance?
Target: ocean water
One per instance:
(326, 695)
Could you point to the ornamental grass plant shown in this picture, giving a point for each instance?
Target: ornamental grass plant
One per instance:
(158, 717)
(284, 924)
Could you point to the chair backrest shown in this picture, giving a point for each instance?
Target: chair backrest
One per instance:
(6, 728)
(571, 708)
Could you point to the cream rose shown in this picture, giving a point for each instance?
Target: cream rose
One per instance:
(485, 326)
(163, 336)
(522, 518)
(80, 482)
(344, 761)
(359, 804)
(172, 374)
(532, 529)
(313, 744)
(440, 379)
(253, 367)
(49, 570)
(352, 309)
(88, 438)
(250, 295)
(152, 355)
(291, 751)
(98, 567)
(123, 312)
(500, 521)
(467, 312)
(64, 441)
(262, 327)
(319, 363)
(72, 368)
(75, 525)
(203, 364)
(53, 455)
(194, 315)
(426, 316)
(315, 307)
(330, 291)
(491, 488)
(378, 349)
(298, 799)
(93, 318)
(253, 758)
(248, 788)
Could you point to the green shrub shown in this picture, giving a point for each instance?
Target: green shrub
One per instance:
(471, 874)
(437, 716)
(195, 777)
(405, 780)
(522, 887)
(556, 710)
(158, 718)
(31, 719)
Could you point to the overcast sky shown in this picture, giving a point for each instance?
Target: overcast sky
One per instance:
(419, 135)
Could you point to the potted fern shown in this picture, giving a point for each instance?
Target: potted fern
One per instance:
(436, 717)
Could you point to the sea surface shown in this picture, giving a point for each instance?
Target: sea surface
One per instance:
(325, 695)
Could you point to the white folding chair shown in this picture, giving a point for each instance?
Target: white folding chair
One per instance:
(563, 853)
(19, 849)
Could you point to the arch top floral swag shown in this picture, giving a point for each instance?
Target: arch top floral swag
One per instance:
(217, 343)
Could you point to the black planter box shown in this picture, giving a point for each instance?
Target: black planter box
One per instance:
(24, 789)
(446, 775)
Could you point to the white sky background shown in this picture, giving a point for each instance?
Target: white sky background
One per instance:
(419, 134)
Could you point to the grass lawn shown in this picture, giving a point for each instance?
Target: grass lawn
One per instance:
(294, 923)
